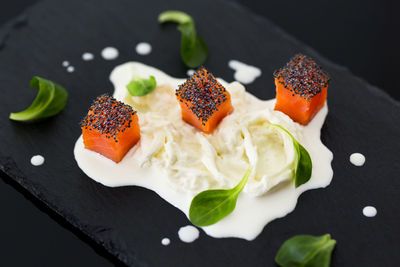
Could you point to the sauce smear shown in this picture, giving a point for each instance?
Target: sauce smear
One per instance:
(177, 161)
(244, 73)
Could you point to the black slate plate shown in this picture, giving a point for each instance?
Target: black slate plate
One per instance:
(130, 221)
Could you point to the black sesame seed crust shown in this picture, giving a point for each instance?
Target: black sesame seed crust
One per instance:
(108, 116)
(202, 94)
(302, 76)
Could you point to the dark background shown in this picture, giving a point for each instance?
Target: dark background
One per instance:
(362, 35)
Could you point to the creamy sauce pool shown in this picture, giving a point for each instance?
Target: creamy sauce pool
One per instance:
(176, 161)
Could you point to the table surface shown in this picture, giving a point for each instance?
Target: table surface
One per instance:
(364, 43)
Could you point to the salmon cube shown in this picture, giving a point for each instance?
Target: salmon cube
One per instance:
(111, 128)
(204, 101)
(301, 89)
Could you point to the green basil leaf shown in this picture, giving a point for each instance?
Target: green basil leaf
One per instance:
(49, 101)
(303, 168)
(210, 206)
(306, 251)
(141, 86)
(302, 164)
(194, 50)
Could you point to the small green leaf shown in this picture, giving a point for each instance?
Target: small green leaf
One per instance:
(174, 16)
(303, 168)
(194, 50)
(141, 86)
(49, 101)
(306, 251)
(302, 164)
(210, 206)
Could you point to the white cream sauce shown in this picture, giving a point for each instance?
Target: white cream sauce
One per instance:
(71, 69)
(165, 241)
(369, 211)
(188, 233)
(189, 72)
(37, 160)
(176, 161)
(87, 56)
(244, 73)
(357, 159)
(65, 63)
(109, 53)
(143, 48)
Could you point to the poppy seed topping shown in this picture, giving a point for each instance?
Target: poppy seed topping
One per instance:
(202, 94)
(302, 76)
(108, 116)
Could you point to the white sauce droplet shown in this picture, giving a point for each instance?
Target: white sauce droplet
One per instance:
(369, 211)
(190, 72)
(244, 73)
(143, 48)
(87, 56)
(165, 241)
(109, 53)
(71, 69)
(37, 160)
(357, 159)
(188, 233)
(65, 63)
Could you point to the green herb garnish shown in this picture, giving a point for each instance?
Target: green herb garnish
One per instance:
(194, 50)
(306, 251)
(303, 164)
(210, 206)
(141, 86)
(49, 101)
